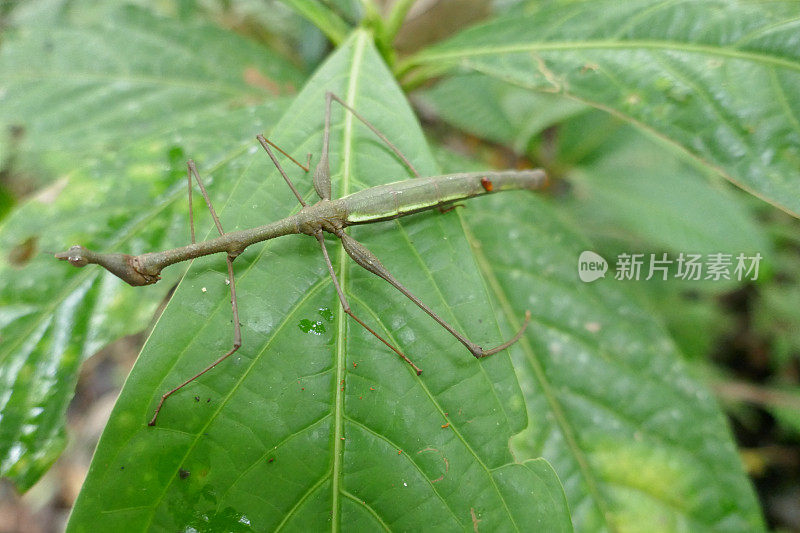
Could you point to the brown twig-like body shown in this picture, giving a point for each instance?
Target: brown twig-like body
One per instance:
(328, 215)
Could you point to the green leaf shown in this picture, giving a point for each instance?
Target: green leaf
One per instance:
(637, 190)
(75, 91)
(720, 80)
(497, 111)
(622, 185)
(627, 192)
(637, 443)
(631, 194)
(84, 90)
(313, 421)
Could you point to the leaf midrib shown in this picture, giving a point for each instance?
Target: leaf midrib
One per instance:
(645, 126)
(346, 164)
(347, 179)
(572, 46)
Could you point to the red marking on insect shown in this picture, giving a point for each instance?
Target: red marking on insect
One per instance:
(487, 184)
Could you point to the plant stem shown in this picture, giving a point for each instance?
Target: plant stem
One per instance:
(396, 18)
(331, 24)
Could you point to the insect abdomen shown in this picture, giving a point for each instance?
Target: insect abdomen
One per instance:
(410, 196)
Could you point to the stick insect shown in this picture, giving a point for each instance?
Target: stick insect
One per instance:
(328, 215)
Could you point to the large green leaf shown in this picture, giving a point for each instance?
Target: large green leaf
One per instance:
(85, 89)
(497, 111)
(635, 189)
(637, 443)
(111, 112)
(628, 192)
(623, 186)
(313, 423)
(718, 79)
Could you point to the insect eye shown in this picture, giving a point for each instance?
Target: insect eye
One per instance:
(77, 260)
(76, 256)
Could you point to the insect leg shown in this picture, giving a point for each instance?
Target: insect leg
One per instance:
(330, 96)
(263, 140)
(451, 207)
(346, 306)
(322, 172)
(191, 212)
(193, 170)
(237, 328)
(266, 144)
(370, 262)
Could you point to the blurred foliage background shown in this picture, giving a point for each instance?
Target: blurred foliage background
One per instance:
(743, 338)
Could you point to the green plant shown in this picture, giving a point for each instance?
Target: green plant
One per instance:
(321, 427)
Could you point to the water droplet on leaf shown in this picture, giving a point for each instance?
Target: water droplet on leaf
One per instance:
(316, 327)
